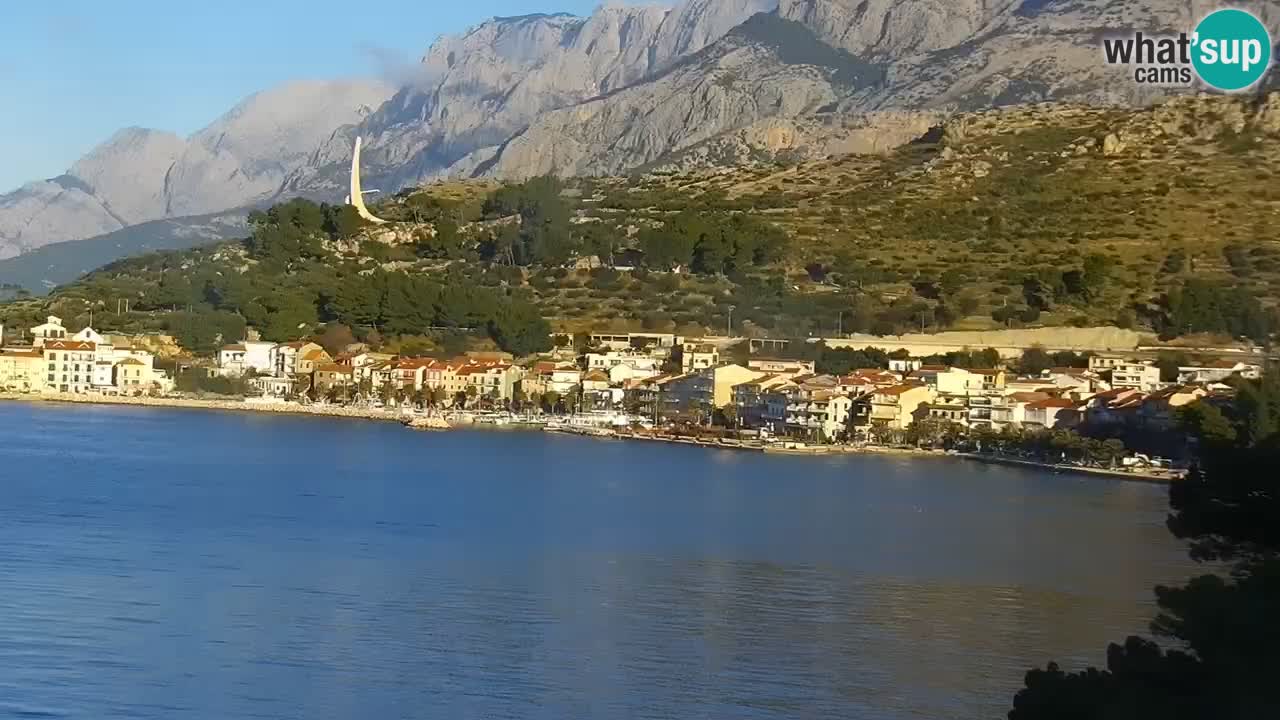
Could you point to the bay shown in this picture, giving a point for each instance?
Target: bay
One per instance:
(163, 563)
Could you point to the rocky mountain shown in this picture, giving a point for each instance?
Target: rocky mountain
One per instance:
(476, 90)
(140, 175)
(704, 82)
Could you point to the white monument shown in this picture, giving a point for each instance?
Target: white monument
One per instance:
(356, 199)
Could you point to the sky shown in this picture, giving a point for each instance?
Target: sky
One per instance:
(72, 72)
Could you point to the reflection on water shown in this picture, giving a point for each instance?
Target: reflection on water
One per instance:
(166, 564)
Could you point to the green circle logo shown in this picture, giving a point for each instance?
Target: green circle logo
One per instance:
(1232, 49)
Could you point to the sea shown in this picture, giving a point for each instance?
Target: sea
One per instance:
(166, 563)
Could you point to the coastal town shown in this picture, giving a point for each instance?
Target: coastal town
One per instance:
(656, 385)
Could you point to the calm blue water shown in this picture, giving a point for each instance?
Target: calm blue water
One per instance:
(178, 564)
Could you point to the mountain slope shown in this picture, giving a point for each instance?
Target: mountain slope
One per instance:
(474, 91)
(60, 263)
(139, 175)
(767, 67)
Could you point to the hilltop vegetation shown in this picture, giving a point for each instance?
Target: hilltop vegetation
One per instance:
(1048, 215)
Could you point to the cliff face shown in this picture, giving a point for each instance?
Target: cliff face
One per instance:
(473, 92)
(765, 68)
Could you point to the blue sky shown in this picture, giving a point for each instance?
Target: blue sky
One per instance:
(74, 71)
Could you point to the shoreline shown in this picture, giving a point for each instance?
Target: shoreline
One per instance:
(738, 445)
(221, 405)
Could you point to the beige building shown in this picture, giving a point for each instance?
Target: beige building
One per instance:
(133, 376)
(22, 370)
(698, 356)
(896, 406)
(725, 377)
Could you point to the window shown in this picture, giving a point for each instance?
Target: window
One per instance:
(53, 356)
(51, 377)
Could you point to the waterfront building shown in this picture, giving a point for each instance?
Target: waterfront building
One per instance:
(299, 357)
(1117, 406)
(272, 386)
(894, 407)
(132, 376)
(69, 365)
(22, 370)
(952, 412)
(564, 378)
(1005, 410)
(823, 415)
(496, 381)
(1052, 413)
(245, 357)
(750, 399)
(331, 375)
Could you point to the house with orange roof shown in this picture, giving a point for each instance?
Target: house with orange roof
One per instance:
(69, 365)
(894, 407)
(494, 380)
(331, 375)
(1052, 413)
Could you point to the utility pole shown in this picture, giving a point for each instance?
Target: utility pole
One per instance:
(840, 325)
(731, 309)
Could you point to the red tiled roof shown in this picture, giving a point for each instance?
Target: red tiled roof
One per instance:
(68, 345)
(233, 348)
(1047, 403)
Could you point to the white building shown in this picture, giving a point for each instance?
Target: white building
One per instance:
(52, 329)
(1139, 375)
(641, 368)
(245, 357)
(1218, 371)
(699, 356)
(823, 414)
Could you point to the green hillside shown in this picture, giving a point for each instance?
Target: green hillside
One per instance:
(44, 268)
(1049, 215)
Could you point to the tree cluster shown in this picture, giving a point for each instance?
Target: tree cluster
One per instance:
(1225, 631)
(711, 243)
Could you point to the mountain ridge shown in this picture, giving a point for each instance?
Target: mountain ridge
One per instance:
(504, 99)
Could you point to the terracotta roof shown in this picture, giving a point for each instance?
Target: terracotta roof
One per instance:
(1068, 371)
(986, 371)
(68, 345)
(334, 368)
(1047, 403)
(1028, 396)
(897, 389)
(596, 376)
(23, 353)
(316, 354)
(233, 348)
(131, 361)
